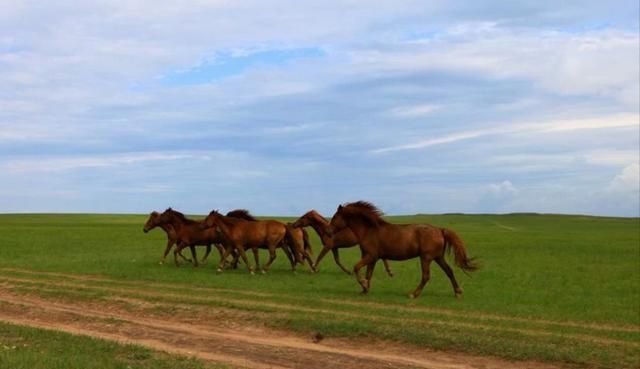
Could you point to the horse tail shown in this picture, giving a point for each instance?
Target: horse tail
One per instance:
(307, 243)
(453, 241)
(292, 242)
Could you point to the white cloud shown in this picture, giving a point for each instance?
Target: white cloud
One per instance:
(627, 182)
(69, 163)
(502, 189)
(544, 127)
(413, 111)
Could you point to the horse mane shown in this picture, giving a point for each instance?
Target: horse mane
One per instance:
(180, 216)
(241, 214)
(365, 211)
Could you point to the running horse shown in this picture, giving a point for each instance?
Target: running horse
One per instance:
(380, 239)
(331, 242)
(241, 234)
(189, 234)
(172, 237)
(300, 237)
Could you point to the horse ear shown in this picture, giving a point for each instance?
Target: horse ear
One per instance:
(340, 207)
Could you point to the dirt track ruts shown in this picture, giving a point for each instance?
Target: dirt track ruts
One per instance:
(254, 347)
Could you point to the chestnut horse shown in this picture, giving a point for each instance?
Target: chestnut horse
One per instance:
(340, 240)
(380, 239)
(172, 237)
(300, 237)
(240, 234)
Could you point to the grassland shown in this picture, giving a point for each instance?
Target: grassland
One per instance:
(552, 288)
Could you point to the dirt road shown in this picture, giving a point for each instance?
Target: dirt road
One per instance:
(218, 334)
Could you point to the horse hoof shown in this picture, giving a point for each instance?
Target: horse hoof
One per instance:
(252, 272)
(390, 274)
(263, 271)
(412, 296)
(161, 263)
(458, 295)
(219, 270)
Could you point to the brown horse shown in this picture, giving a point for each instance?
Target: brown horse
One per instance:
(189, 233)
(241, 234)
(331, 242)
(172, 237)
(380, 239)
(300, 237)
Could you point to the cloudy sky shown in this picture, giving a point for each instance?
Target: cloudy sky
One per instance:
(283, 106)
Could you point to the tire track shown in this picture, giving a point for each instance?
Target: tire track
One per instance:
(262, 351)
(390, 307)
(344, 314)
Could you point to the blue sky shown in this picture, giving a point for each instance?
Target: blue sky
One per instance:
(280, 107)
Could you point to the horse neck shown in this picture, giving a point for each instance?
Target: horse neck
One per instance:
(319, 225)
(166, 227)
(359, 227)
(225, 223)
(176, 222)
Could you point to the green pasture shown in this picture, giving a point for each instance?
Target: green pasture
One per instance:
(551, 287)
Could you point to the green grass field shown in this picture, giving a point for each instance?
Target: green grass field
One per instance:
(552, 288)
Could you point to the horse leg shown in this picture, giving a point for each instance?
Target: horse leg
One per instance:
(170, 243)
(193, 254)
(223, 258)
(366, 260)
(220, 251)
(256, 257)
(425, 262)
(387, 268)
(291, 259)
(307, 257)
(272, 257)
(240, 249)
(322, 253)
(336, 258)
(449, 272)
(176, 252)
(236, 259)
(206, 255)
(184, 257)
(370, 267)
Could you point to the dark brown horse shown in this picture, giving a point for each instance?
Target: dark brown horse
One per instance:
(172, 237)
(380, 239)
(241, 234)
(331, 242)
(189, 233)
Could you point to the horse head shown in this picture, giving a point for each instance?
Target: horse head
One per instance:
(152, 222)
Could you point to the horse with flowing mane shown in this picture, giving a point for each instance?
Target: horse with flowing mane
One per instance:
(381, 239)
(331, 242)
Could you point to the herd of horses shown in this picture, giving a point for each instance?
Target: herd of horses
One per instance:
(357, 223)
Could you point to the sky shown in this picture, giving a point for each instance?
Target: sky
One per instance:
(285, 106)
